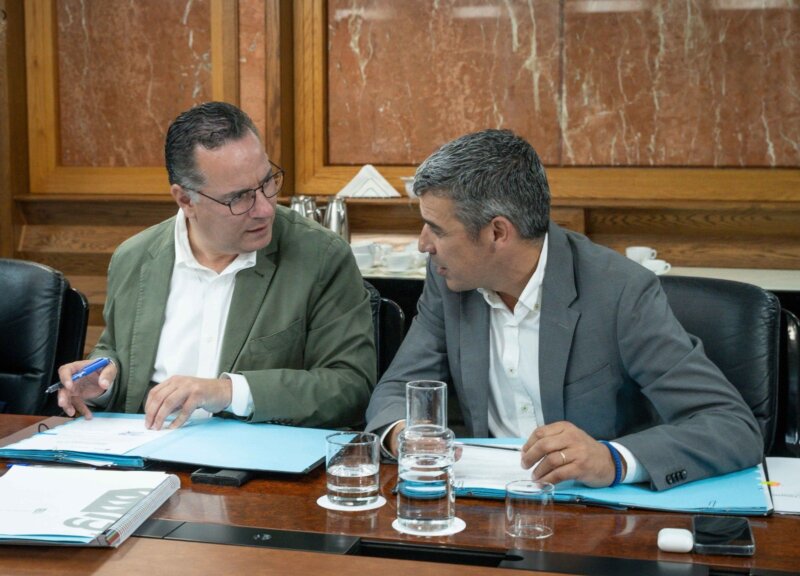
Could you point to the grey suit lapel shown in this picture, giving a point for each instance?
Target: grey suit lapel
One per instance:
(151, 305)
(557, 324)
(474, 361)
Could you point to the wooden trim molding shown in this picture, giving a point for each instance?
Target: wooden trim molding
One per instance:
(46, 174)
(314, 175)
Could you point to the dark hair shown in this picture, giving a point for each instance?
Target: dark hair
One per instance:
(210, 125)
(487, 174)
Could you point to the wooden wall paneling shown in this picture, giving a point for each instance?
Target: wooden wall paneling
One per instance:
(46, 175)
(13, 129)
(723, 235)
(714, 251)
(279, 138)
(81, 246)
(225, 49)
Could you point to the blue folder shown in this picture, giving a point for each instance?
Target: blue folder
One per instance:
(743, 493)
(207, 442)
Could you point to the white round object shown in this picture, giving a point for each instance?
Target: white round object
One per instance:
(675, 540)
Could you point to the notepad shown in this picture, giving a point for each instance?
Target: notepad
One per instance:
(483, 472)
(78, 506)
(122, 440)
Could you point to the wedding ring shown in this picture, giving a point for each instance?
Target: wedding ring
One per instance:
(563, 457)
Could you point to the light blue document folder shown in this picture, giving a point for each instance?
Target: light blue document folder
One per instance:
(208, 442)
(744, 492)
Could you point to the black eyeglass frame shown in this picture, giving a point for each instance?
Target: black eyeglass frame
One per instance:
(277, 175)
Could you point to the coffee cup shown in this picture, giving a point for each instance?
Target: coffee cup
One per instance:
(399, 261)
(364, 260)
(420, 258)
(640, 253)
(380, 250)
(656, 265)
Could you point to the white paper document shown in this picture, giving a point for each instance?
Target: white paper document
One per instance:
(784, 476)
(96, 436)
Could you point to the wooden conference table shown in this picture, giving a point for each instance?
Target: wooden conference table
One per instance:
(586, 539)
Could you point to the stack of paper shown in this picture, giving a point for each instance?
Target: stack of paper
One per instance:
(369, 183)
(78, 506)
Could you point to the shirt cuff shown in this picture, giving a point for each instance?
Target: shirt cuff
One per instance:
(241, 397)
(634, 471)
(384, 435)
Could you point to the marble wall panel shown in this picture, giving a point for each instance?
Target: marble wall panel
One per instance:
(681, 82)
(405, 77)
(588, 82)
(125, 70)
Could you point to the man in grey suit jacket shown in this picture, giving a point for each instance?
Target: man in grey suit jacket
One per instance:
(548, 336)
(236, 304)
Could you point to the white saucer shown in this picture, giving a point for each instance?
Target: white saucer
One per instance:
(325, 503)
(458, 526)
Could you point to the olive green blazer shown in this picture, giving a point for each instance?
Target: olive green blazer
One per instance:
(299, 326)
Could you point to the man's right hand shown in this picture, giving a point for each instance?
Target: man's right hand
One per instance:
(72, 395)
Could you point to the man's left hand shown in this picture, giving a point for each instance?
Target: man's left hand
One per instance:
(567, 453)
(184, 394)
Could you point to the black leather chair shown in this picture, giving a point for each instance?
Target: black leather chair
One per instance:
(42, 325)
(389, 321)
(789, 402)
(739, 325)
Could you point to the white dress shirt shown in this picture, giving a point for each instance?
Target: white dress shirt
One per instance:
(195, 319)
(515, 399)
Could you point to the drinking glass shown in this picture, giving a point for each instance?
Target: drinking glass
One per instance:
(352, 468)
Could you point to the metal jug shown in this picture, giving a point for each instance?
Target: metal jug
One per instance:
(306, 206)
(336, 218)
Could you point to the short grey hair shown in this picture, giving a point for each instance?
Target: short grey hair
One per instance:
(487, 174)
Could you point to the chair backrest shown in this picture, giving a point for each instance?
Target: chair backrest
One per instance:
(42, 325)
(388, 321)
(71, 338)
(789, 403)
(739, 325)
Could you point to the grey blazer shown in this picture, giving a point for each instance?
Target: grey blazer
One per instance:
(613, 360)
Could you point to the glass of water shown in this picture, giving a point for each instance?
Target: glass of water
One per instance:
(425, 497)
(352, 467)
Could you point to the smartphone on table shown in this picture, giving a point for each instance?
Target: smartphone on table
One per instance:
(729, 535)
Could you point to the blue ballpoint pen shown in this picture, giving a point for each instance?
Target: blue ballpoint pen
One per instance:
(98, 364)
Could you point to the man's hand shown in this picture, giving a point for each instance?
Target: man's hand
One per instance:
(567, 453)
(184, 394)
(72, 395)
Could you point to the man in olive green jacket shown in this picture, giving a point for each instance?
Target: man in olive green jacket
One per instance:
(236, 304)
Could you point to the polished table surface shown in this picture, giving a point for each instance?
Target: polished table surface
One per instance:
(289, 503)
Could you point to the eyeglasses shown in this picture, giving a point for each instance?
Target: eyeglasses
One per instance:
(242, 202)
